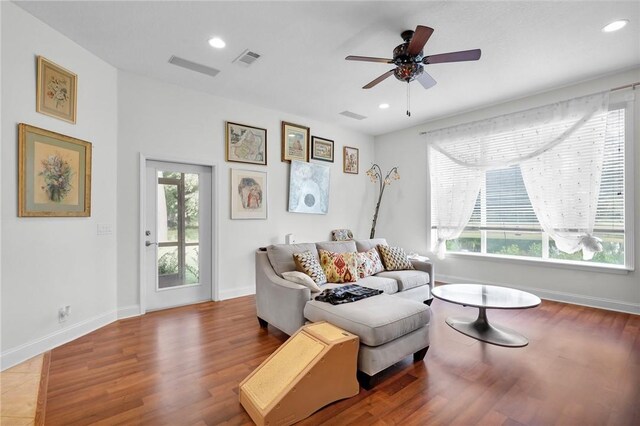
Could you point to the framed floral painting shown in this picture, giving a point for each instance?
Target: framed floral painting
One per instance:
(248, 194)
(351, 160)
(56, 91)
(246, 144)
(54, 174)
(295, 142)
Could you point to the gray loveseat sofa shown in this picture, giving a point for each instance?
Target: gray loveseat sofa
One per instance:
(391, 325)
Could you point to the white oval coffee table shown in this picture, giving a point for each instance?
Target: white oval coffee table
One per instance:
(486, 297)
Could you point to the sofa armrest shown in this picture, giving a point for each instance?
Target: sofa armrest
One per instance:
(278, 301)
(425, 266)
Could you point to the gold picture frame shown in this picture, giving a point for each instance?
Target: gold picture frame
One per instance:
(295, 142)
(246, 144)
(57, 91)
(350, 160)
(54, 174)
(321, 149)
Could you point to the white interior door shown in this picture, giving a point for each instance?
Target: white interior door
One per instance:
(178, 236)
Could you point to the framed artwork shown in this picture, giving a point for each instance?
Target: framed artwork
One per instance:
(54, 174)
(309, 188)
(321, 149)
(351, 160)
(246, 144)
(248, 194)
(56, 91)
(295, 142)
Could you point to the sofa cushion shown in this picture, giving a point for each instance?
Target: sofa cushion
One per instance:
(394, 258)
(388, 285)
(369, 263)
(301, 278)
(339, 267)
(337, 246)
(281, 255)
(308, 263)
(364, 245)
(406, 279)
(376, 320)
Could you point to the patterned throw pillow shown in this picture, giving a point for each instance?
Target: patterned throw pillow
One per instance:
(339, 267)
(369, 263)
(308, 263)
(394, 258)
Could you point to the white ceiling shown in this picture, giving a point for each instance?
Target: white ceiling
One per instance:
(527, 47)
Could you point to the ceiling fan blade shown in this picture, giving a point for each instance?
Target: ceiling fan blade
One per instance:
(419, 39)
(379, 79)
(426, 80)
(368, 59)
(465, 55)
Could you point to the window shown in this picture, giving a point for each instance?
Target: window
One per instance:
(504, 223)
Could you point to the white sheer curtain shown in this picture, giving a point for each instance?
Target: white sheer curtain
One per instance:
(454, 191)
(559, 148)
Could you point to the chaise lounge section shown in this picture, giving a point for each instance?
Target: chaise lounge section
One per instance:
(391, 326)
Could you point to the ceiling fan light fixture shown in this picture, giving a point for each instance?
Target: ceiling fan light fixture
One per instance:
(383, 106)
(615, 26)
(217, 42)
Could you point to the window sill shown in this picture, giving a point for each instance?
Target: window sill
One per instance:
(561, 264)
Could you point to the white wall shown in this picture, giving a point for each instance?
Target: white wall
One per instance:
(405, 213)
(51, 262)
(167, 121)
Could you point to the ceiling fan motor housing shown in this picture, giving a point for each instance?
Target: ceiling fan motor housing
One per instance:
(408, 66)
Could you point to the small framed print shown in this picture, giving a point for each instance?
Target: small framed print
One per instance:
(295, 142)
(351, 160)
(56, 91)
(246, 144)
(54, 174)
(321, 149)
(248, 194)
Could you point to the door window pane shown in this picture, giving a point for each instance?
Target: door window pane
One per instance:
(167, 213)
(192, 264)
(178, 217)
(191, 207)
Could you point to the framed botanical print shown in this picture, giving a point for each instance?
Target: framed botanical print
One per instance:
(56, 91)
(248, 194)
(246, 144)
(351, 160)
(54, 174)
(295, 142)
(321, 149)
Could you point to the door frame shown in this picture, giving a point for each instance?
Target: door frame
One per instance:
(141, 224)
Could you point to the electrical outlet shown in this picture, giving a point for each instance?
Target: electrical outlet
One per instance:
(63, 313)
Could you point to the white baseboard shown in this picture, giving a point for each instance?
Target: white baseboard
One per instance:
(16, 355)
(128, 311)
(558, 296)
(236, 292)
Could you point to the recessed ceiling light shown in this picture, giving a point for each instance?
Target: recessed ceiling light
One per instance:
(383, 106)
(217, 42)
(615, 26)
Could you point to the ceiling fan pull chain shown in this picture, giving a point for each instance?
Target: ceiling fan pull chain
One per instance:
(408, 101)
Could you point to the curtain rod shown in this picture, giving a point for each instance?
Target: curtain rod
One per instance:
(626, 86)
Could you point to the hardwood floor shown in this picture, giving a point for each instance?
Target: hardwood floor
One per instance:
(182, 367)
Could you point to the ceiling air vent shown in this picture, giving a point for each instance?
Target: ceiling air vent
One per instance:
(193, 66)
(247, 58)
(353, 115)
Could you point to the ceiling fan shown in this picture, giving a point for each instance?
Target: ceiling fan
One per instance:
(409, 59)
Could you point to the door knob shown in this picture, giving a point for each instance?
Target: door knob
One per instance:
(148, 243)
